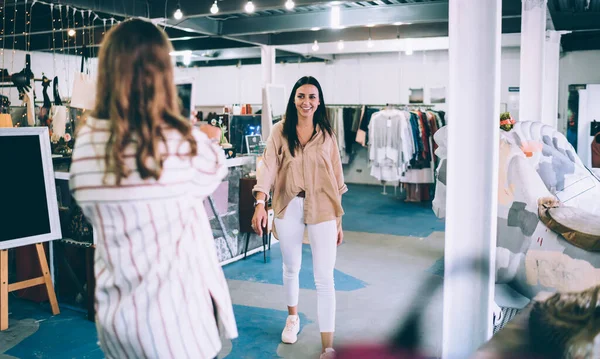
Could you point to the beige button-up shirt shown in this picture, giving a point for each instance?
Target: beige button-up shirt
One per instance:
(315, 169)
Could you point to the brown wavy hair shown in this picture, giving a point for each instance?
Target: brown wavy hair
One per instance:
(137, 94)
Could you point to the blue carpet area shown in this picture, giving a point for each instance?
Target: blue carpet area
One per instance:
(68, 335)
(253, 269)
(259, 332)
(367, 210)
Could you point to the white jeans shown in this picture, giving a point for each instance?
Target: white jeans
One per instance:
(323, 242)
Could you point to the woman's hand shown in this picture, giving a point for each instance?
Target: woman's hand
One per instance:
(340, 236)
(259, 220)
(213, 133)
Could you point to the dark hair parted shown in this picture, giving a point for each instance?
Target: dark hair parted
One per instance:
(291, 114)
(136, 92)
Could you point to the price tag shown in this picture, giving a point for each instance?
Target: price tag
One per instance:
(389, 122)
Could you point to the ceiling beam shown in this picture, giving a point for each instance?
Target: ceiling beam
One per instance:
(350, 17)
(509, 26)
(201, 8)
(198, 25)
(209, 43)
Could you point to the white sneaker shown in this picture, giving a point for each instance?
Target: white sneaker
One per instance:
(290, 332)
(329, 354)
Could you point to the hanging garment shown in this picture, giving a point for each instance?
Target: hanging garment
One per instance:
(348, 118)
(385, 145)
(364, 124)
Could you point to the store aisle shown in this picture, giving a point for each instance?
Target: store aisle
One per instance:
(390, 248)
(390, 269)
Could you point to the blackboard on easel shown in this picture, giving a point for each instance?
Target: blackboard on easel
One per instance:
(28, 206)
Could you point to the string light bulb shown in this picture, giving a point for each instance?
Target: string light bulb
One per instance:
(214, 8)
(249, 7)
(289, 4)
(71, 32)
(315, 46)
(178, 14)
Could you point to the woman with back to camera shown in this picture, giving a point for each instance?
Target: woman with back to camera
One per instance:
(302, 165)
(140, 172)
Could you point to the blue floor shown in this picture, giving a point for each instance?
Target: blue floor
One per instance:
(260, 332)
(252, 269)
(70, 335)
(387, 214)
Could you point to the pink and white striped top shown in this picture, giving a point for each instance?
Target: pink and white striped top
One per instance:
(156, 264)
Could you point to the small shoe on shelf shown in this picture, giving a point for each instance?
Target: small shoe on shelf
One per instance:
(291, 330)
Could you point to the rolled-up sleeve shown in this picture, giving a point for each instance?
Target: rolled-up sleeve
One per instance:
(338, 171)
(267, 170)
(210, 166)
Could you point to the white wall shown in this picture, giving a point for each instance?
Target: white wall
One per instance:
(353, 79)
(63, 66)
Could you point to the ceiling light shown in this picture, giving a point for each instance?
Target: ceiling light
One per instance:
(399, 23)
(315, 46)
(178, 14)
(371, 25)
(335, 17)
(341, 45)
(71, 32)
(370, 43)
(335, 3)
(214, 8)
(249, 7)
(289, 4)
(315, 29)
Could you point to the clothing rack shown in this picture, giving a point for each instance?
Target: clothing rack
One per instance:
(380, 105)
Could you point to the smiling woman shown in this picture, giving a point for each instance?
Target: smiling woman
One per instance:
(302, 165)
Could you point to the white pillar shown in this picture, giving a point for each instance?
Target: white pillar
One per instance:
(551, 71)
(472, 188)
(533, 34)
(268, 77)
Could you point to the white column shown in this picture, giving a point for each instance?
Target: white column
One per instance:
(472, 188)
(533, 34)
(551, 70)
(268, 77)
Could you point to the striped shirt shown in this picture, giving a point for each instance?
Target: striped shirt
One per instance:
(156, 266)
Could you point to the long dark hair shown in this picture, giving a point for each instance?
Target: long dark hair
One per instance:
(136, 92)
(291, 114)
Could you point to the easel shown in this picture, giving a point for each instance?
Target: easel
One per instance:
(6, 288)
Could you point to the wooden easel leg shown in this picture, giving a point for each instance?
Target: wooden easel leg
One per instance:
(47, 278)
(4, 289)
